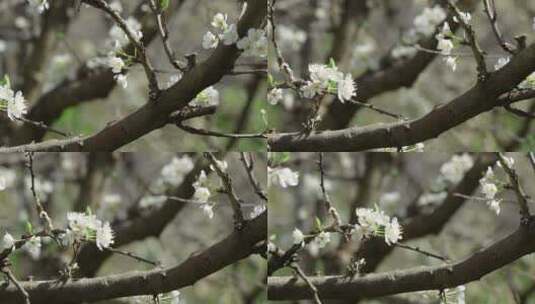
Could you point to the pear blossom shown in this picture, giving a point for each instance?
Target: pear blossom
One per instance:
(283, 177)
(8, 242)
(298, 236)
(274, 96)
(208, 97)
(209, 41)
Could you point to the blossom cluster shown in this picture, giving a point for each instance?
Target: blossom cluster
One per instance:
(254, 44)
(454, 170)
(86, 227)
(374, 222)
(283, 177)
(12, 101)
(490, 186)
(328, 79)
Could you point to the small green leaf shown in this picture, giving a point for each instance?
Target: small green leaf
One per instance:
(318, 224)
(29, 227)
(164, 4)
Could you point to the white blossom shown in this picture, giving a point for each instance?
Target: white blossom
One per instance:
(445, 46)
(8, 242)
(257, 210)
(223, 165)
(298, 236)
(283, 177)
(220, 21)
(39, 5)
(509, 162)
(7, 178)
(432, 198)
(346, 88)
(426, 22)
(104, 237)
(501, 63)
(152, 200)
(323, 239)
(121, 80)
(33, 247)
(494, 205)
(202, 194)
(454, 170)
(230, 35)
(115, 63)
(290, 38)
(175, 297)
(392, 232)
(403, 51)
(208, 210)
(311, 89)
(489, 190)
(173, 173)
(255, 43)
(451, 61)
(274, 96)
(119, 37)
(209, 41)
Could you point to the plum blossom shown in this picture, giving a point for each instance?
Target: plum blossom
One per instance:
(346, 88)
(374, 222)
(283, 177)
(209, 41)
(173, 173)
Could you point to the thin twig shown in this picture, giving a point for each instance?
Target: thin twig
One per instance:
(520, 194)
(133, 256)
(424, 252)
(196, 131)
(40, 209)
(490, 10)
(12, 278)
(249, 167)
(229, 190)
(303, 276)
(330, 209)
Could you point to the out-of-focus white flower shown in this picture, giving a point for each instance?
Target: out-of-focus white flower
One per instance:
(465, 16)
(454, 170)
(39, 5)
(208, 210)
(255, 43)
(119, 37)
(220, 21)
(451, 61)
(8, 242)
(290, 38)
(509, 162)
(230, 35)
(175, 297)
(501, 63)
(115, 63)
(152, 200)
(209, 41)
(323, 239)
(283, 177)
(173, 79)
(116, 6)
(489, 190)
(7, 178)
(3, 46)
(173, 173)
(494, 205)
(432, 198)
(257, 210)
(33, 247)
(274, 96)
(202, 194)
(208, 97)
(121, 80)
(223, 165)
(403, 51)
(445, 46)
(298, 236)
(16, 108)
(426, 22)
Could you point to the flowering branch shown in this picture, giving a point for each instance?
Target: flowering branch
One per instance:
(520, 194)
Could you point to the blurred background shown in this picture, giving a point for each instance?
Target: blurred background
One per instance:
(407, 186)
(308, 32)
(118, 188)
(72, 40)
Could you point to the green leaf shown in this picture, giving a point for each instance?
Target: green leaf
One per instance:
(318, 224)
(29, 227)
(164, 4)
(5, 82)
